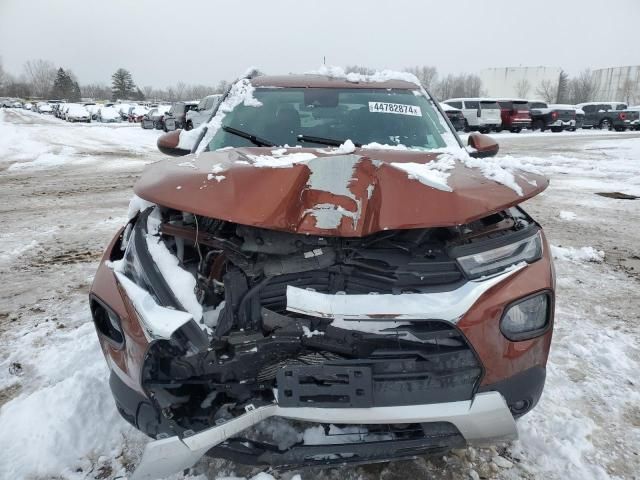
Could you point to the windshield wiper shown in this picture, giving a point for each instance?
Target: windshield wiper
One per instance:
(260, 142)
(323, 141)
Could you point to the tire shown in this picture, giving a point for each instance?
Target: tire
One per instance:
(620, 129)
(537, 125)
(484, 130)
(499, 129)
(516, 130)
(189, 125)
(605, 124)
(557, 129)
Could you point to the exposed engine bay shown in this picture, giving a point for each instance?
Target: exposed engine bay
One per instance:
(251, 349)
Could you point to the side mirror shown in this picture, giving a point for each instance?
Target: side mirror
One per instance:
(483, 145)
(168, 144)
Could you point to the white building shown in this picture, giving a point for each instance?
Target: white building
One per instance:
(620, 84)
(519, 82)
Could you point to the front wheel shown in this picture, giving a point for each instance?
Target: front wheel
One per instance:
(516, 130)
(605, 124)
(556, 129)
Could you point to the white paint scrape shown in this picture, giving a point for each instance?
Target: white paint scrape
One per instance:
(137, 205)
(181, 282)
(160, 321)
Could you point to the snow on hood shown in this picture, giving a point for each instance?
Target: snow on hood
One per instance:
(109, 112)
(139, 110)
(77, 110)
(309, 190)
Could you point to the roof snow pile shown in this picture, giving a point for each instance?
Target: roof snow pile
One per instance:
(376, 77)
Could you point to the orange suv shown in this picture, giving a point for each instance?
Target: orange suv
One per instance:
(326, 275)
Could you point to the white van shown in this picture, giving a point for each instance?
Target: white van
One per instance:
(202, 112)
(479, 113)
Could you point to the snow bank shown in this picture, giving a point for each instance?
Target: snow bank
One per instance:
(567, 216)
(65, 418)
(582, 254)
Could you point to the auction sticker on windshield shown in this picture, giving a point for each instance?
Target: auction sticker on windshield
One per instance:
(399, 108)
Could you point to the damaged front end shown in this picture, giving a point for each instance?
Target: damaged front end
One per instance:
(288, 350)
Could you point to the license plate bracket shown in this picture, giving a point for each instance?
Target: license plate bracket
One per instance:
(325, 386)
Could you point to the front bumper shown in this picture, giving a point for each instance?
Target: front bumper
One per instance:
(563, 123)
(485, 419)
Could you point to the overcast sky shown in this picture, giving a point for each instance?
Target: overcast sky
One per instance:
(196, 41)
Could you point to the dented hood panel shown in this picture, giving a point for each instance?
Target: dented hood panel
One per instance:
(348, 195)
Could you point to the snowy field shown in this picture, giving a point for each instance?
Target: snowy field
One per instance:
(65, 190)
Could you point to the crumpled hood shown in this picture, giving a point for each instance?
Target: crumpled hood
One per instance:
(312, 191)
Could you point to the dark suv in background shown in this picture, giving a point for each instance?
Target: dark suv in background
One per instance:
(556, 119)
(608, 115)
(176, 117)
(515, 115)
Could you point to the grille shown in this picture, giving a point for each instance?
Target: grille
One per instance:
(360, 279)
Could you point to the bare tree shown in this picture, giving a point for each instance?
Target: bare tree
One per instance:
(427, 75)
(96, 91)
(547, 90)
(522, 88)
(148, 91)
(3, 78)
(179, 90)
(629, 91)
(583, 88)
(40, 74)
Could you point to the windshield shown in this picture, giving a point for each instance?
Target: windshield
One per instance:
(489, 105)
(293, 116)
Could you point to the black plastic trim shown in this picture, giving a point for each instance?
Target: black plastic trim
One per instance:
(117, 345)
(526, 386)
(479, 246)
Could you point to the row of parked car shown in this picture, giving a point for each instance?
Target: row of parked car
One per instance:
(187, 114)
(490, 114)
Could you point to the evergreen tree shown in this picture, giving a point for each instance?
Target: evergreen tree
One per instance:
(122, 85)
(75, 94)
(63, 85)
(563, 88)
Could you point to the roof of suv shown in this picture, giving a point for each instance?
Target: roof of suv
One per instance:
(323, 81)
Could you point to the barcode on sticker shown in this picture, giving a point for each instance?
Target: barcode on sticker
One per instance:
(398, 108)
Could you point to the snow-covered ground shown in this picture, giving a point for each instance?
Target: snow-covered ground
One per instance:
(65, 189)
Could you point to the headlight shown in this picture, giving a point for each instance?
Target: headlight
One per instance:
(528, 318)
(497, 259)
